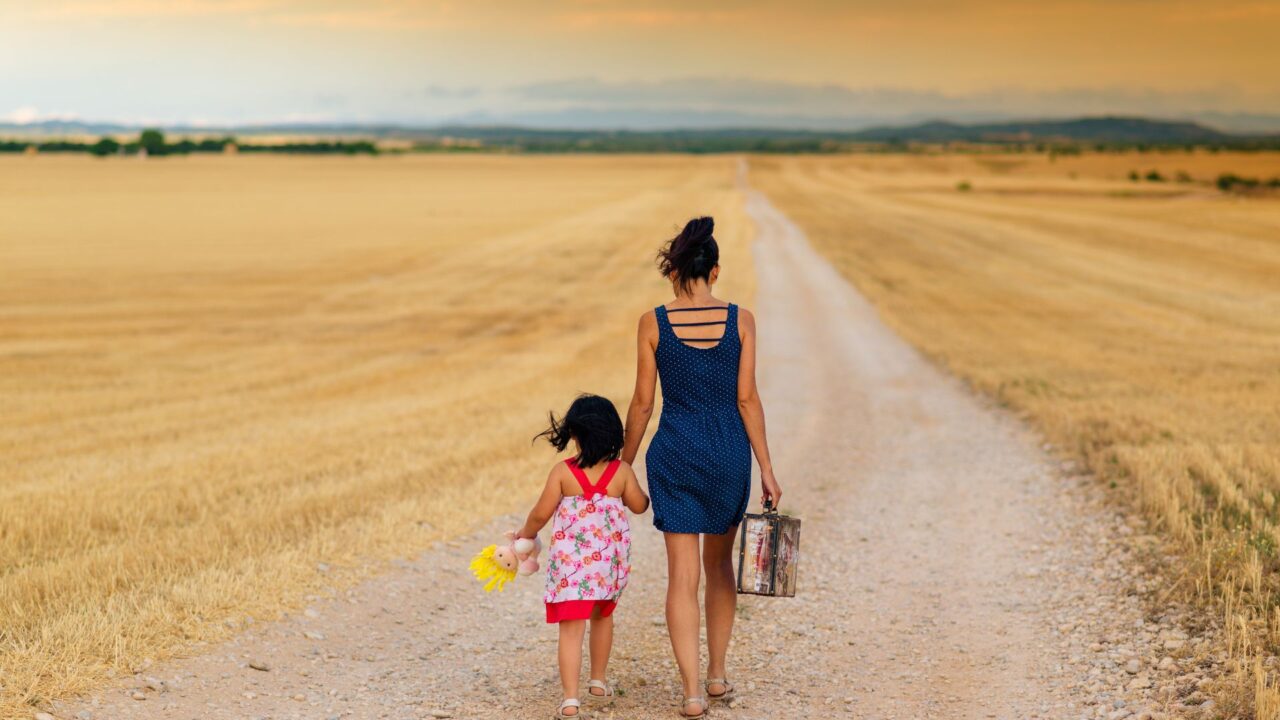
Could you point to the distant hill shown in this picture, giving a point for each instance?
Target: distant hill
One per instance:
(1111, 131)
(1090, 129)
(65, 127)
(1093, 129)
(1114, 131)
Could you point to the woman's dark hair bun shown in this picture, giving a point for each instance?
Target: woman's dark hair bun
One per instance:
(692, 254)
(594, 422)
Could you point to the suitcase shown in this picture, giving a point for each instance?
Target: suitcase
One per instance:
(768, 553)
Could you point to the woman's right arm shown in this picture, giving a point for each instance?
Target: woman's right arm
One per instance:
(632, 496)
(646, 381)
(752, 409)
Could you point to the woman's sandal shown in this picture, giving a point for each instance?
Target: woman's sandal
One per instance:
(606, 694)
(702, 708)
(726, 696)
(569, 703)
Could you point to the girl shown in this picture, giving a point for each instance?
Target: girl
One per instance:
(589, 557)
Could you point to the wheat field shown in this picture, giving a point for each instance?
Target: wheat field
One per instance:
(229, 382)
(1136, 324)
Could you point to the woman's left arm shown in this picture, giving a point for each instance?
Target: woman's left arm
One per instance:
(753, 410)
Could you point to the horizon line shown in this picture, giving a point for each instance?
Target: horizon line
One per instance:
(513, 124)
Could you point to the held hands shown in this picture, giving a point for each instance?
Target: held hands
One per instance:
(771, 491)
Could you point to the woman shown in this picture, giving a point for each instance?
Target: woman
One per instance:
(699, 462)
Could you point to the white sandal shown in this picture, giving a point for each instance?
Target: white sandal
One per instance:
(702, 705)
(728, 693)
(608, 691)
(569, 703)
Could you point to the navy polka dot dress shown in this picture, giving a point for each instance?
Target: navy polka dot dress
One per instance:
(699, 463)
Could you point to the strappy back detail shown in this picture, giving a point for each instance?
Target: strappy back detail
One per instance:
(601, 486)
(708, 307)
(666, 327)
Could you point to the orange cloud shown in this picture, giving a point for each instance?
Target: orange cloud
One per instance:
(77, 9)
(336, 14)
(623, 17)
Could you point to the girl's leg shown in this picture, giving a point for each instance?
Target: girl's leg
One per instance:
(722, 602)
(683, 574)
(601, 644)
(571, 632)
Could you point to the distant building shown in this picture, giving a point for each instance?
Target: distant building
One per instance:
(230, 149)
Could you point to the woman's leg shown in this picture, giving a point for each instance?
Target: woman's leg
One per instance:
(722, 602)
(601, 644)
(571, 632)
(683, 574)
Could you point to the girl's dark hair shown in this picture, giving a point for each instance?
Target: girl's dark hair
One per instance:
(690, 255)
(591, 420)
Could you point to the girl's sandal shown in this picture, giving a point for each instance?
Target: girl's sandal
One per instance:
(702, 708)
(569, 703)
(606, 691)
(726, 695)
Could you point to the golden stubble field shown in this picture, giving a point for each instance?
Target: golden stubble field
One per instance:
(219, 374)
(1136, 324)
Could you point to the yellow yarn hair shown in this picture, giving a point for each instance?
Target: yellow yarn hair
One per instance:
(486, 568)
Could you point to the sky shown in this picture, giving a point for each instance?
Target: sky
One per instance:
(804, 63)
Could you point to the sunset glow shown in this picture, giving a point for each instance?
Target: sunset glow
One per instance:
(238, 61)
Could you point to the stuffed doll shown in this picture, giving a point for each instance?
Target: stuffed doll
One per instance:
(499, 564)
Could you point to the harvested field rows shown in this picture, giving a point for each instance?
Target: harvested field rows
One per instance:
(220, 374)
(1137, 325)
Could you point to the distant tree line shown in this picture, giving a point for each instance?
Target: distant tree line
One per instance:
(726, 140)
(1226, 182)
(1064, 148)
(1230, 182)
(155, 144)
(354, 147)
(644, 144)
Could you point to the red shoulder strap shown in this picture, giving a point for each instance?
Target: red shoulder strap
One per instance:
(602, 485)
(580, 476)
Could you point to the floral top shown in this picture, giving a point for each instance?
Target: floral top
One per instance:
(590, 553)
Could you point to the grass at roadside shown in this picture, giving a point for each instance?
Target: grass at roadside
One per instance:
(1139, 330)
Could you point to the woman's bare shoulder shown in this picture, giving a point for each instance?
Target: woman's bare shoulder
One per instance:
(648, 326)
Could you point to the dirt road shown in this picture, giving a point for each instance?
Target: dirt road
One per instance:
(950, 570)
